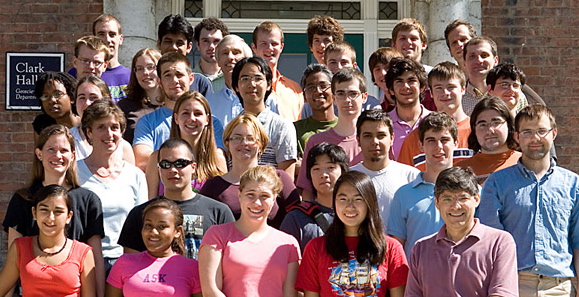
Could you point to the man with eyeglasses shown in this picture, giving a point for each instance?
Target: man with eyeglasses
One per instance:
(537, 202)
(316, 82)
(491, 138)
(465, 257)
(405, 80)
(506, 81)
(108, 29)
(176, 168)
(91, 57)
(349, 89)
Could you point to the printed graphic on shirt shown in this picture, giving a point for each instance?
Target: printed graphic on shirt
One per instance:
(355, 279)
(193, 225)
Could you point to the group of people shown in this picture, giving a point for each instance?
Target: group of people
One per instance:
(229, 179)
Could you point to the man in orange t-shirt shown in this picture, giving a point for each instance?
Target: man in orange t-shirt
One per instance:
(492, 138)
(447, 85)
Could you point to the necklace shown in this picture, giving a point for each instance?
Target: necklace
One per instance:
(51, 254)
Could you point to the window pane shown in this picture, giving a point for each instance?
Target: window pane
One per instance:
(289, 9)
(388, 10)
(194, 8)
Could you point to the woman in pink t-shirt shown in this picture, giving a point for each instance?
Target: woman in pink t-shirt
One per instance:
(50, 264)
(248, 257)
(161, 270)
(354, 258)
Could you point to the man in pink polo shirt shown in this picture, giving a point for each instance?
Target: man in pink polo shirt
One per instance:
(465, 257)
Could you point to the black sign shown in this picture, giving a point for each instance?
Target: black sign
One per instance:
(22, 71)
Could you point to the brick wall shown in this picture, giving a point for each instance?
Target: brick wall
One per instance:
(542, 37)
(32, 26)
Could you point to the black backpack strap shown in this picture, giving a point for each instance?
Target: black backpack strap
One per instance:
(313, 210)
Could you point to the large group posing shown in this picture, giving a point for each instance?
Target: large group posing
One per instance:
(229, 179)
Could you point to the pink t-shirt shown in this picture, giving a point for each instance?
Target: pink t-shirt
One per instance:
(142, 275)
(348, 143)
(252, 268)
(320, 273)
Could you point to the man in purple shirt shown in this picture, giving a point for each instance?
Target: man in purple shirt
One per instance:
(465, 258)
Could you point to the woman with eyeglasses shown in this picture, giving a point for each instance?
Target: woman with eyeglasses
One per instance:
(245, 140)
(144, 94)
(54, 164)
(192, 122)
(55, 92)
(248, 257)
(119, 184)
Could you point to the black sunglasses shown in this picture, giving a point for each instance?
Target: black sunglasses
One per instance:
(179, 163)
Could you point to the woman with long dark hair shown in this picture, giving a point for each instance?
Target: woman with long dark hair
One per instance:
(354, 257)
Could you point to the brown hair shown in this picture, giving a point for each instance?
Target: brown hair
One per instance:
(135, 92)
(438, 121)
(266, 26)
(105, 17)
(98, 82)
(94, 43)
(262, 174)
(324, 25)
(382, 55)
(408, 24)
(340, 47)
(253, 123)
(453, 25)
(178, 244)
(100, 110)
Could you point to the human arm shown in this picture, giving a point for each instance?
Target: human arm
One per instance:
(504, 274)
(10, 272)
(311, 294)
(98, 263)
(490, 206)
(88, 278)
(152, 174)
(221, 160)
(290, 280)
(210, 271)
(576, 266)
(127, 150)
(113, 292)
(288, 166)
(142, 154)
(397, 292)
(400, 239)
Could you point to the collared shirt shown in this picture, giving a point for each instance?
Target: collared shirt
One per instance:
(413, 214)
(290, 97)
(471, 98)
(402, 129)
(217, 80)
(482, 264)
(542, 215)
(225, 105)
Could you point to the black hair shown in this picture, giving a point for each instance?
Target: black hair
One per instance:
(263, 67)
(175, 24)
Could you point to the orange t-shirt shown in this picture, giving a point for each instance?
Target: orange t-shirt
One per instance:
(485, 164)
(410, 153)
(290, 97)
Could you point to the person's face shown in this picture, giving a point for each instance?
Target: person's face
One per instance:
(89, 62)
(87, 94)
(457, 208)
(491, 131)
(105, 134)
(242, 143)
(406, 89)
(337, 60)
(479, 60)
(379, 72)
(457, 38)
(318, 91)
(191, 118)
(507, 89)
(351, 208)
(56, 155)
(535, 147)
(228, 55)
(146, 72)
(324, 174)
(174, 43)
(409, 44)
(438, 147)
(176, 179)
(348, 98)
(319, 44)
(208, 40)
(175, 79)
(52, 215)
(269, 46)
(252, 85)
(159, 231)
(57, 104)
(375, 141)
(109, 33)
(447, 94)
(256, 200)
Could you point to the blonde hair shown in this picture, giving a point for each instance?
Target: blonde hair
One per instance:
(262, 174)
(253, 123)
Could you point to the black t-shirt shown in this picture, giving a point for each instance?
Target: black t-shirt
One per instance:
(87, 218)
(199, 214)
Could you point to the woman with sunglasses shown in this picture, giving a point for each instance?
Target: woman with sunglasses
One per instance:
(354, 257)
(245, 140)
(144, 94)
(119, 184)
(55, 92)
(192, 122)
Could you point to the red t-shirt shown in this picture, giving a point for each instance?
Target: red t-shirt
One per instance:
(320, 273)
